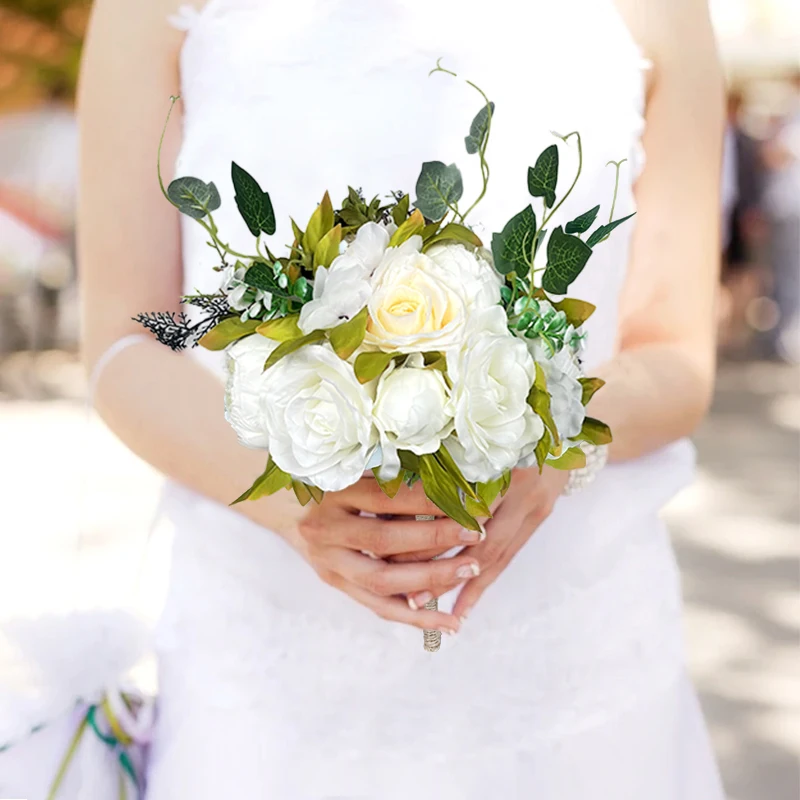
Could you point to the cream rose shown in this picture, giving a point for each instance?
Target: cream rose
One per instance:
(319, 418)
(421, 301)
(412, 412)
(492, 374)
(246, 382)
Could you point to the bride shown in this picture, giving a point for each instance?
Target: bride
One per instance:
(291, 663)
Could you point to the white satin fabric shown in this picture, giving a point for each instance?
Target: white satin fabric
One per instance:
(567, 682)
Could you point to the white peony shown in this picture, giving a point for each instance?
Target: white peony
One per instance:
(421, 301)
(319, 418)
(343, 289)
(492, 374)
(245, 385)
(412, 412)
(562, 372)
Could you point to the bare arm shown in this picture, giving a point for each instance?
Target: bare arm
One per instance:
(659, 385)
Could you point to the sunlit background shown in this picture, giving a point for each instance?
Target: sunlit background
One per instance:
(736, 530)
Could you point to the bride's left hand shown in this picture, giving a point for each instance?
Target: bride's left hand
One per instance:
(525, 506)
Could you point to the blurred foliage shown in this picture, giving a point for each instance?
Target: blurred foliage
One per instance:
(41, 46)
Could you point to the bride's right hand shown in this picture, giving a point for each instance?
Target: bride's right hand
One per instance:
(335, 533)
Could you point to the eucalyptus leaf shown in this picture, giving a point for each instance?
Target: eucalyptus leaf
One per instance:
(543, 176)
(413, 226)
(272, 480)
(193, 197)
(369, 366)
(442, 490)
(594, 432)
(320, 223)
(347, 337)
(577, 311)
(511, 247)
(392, 487)
(453, 232)
(479, 129)
(602, 233)
(282, 329)
(227, 332)
(253, 203)
(590, 386)
(582, 223)
(566, 257)
(439, 187)
(572, 458)
(291, 346)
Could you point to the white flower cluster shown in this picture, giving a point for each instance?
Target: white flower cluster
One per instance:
(325, 428)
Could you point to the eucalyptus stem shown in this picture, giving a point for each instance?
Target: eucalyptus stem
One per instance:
(213, 231)
(548, 216)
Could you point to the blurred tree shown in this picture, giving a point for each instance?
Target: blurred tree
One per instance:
(40, 47)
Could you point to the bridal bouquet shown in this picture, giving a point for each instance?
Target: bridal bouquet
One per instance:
(389, 337)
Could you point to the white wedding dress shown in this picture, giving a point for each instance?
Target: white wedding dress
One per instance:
(568, 680)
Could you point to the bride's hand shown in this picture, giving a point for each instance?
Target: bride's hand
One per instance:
(526, 505)
(334, 536)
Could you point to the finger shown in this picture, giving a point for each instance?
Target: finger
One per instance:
(397, 610)
(393, 536)
(367, 495)
(384, 579)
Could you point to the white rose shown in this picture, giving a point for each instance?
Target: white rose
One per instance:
(319, 418)
(412, 412)
(343, 289)
(561, 371)
(246, 382)
(421, 301)
(492, 375)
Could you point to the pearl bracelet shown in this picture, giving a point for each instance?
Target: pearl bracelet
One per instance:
(596, 457)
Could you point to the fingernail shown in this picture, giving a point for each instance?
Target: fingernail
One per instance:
(421, 599)
(449, 631)
(471, 537)
(464, 614)
(411, 604)
(468, 571)
(462, 619)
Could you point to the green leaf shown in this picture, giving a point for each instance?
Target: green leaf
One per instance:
(577, 311)
(511, 247)
(409, 461)
(282, 329)
(301, 493)
(582, 223)
(298, 233)
(602, 233)
(453, 232)
(506, 478)
(435, 360)
(413, 226)
(543, 177)
(438, 188)
(441, 489)
(479, 129)
(320, 223)
(539, 401)
(227, 332)
(573, 458)
(272, 480)
(316, 493)
(193, 197)
(566, 257)
(253, 203)
(328, 247)
(594, 432)
(392, 487)
(261, 276)
(347, 337)
(489, 491)
(543, 449)
(400, 211)
(369, 366)
(291, 346)
(443, 456)
(590, 386)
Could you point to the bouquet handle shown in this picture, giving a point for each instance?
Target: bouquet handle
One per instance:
(432, 640)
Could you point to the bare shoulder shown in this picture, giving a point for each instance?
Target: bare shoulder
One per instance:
(677, 36)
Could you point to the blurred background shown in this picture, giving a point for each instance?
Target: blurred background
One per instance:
(736, 529)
